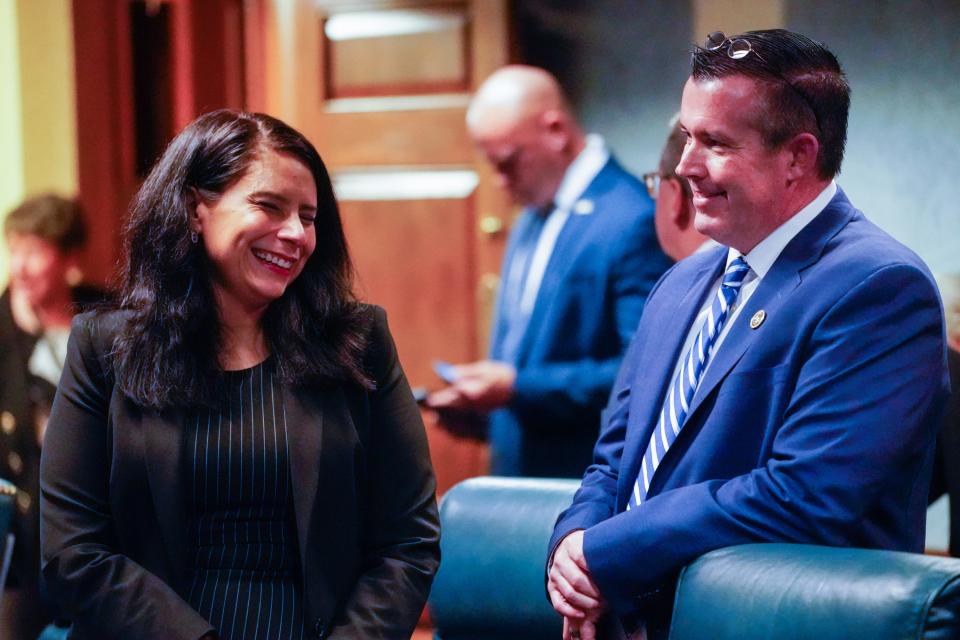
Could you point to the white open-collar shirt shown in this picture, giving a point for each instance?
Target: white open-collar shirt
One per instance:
(576, 179)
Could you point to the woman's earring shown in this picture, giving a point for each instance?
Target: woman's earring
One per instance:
(193, 237)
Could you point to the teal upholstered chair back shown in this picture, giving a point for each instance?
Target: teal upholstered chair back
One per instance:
(493, 549)
(491, 580)
(804, 592)
(8, 494)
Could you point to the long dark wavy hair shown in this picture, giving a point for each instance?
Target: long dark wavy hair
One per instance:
(166, 355)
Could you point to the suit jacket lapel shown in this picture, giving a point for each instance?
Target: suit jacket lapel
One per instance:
(305, 430)
(769, 296)
(665, 342)
(784, 276)
(564, 251)
(163, 436)
(560, 262)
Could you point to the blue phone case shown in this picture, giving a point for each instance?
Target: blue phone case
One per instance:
(445, 370)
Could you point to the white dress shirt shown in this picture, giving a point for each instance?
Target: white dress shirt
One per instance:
(577, 178)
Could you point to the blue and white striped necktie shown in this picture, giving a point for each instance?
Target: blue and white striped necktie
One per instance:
(677, 403)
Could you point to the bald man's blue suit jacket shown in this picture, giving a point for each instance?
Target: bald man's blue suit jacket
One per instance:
(815, 427)
(604, 263)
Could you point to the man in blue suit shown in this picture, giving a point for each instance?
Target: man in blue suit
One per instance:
(579, 264)
(785, 389)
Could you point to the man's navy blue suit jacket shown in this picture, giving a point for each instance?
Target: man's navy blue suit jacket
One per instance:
(816, 427)
(604, 263)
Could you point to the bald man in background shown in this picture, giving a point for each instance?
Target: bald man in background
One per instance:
(579, 264)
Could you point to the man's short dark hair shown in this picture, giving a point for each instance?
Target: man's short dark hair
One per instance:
(51, 217)
(807, 91)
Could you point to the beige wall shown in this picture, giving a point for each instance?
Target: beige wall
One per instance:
(735, 16)
(11, 155)
(37, 104)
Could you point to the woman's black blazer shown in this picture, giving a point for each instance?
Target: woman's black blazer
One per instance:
(112, 490)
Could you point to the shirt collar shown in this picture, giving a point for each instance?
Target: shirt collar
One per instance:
(581, 172)
(708, 244)
(762, 256)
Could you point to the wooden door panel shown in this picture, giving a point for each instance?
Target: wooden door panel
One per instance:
(412, 258)
(410, 137)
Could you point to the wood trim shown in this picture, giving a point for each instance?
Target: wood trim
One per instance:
(463, 85)
(105, 130)
(398, 103)
(208, 73)
(491, 44)
(399, 89)
(336, 6)
(208, 66)
(184, 97)
(255, 55)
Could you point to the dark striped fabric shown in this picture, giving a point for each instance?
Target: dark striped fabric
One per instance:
(242, 552)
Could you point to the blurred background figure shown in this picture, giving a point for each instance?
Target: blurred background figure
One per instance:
(674, 213)
(43, 236)
(578, 266)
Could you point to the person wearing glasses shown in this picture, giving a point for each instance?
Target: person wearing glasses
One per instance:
(784, 387)
(579, 263)
(674, 213)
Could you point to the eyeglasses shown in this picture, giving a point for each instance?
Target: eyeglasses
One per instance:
(652, 181)
(735, 48)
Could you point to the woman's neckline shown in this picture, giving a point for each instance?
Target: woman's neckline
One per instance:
(235, 372)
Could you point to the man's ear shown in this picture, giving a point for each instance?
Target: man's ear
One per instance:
(553, 123)
(804, 149)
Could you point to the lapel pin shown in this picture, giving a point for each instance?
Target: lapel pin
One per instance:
(758, 319)
(583, 207)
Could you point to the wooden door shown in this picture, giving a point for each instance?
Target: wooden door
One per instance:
(381, 88)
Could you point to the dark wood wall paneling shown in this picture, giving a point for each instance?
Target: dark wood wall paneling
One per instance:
(144, 70)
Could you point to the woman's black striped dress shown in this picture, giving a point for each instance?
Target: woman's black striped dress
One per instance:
(242, 555)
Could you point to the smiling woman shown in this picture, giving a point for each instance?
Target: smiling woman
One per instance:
(185, 491)
(257, 235)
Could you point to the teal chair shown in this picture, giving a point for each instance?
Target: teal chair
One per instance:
(805, 592)
(491, 580)
(8, 495)
(493, 548)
